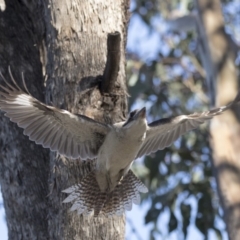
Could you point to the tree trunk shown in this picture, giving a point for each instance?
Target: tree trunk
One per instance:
(219, 51)
(60, 45)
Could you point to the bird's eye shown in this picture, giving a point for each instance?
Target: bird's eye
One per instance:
(132, 113)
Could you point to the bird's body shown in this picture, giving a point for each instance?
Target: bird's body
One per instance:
(118, 151)
(112, 187)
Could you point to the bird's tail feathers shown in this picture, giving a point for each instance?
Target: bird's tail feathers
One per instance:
(124, 195)
(87, 197)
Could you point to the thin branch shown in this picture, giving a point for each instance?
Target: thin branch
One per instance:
(113, 60)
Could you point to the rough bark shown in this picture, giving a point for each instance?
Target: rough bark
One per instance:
(61, 45)
(219, 51)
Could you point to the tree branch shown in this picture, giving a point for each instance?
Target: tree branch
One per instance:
(112, 65)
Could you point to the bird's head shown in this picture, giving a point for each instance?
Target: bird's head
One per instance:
(136, 120)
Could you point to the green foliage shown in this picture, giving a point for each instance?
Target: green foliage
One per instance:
(186, 213)
(171, 85)
(173, 222)
(183, 167)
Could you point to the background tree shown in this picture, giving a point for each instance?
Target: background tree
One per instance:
(194, 66)
(61, 47)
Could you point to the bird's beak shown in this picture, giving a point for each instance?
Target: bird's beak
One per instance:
(142, 113)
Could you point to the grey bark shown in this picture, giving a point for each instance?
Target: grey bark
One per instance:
(219, 53)
(60, 45)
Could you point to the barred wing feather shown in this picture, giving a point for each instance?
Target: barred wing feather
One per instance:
(162, 133)
(74, 136)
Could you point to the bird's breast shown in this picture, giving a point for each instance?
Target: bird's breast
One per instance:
(115, 158)
(117, 151)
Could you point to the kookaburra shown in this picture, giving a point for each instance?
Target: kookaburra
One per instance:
(112, 187)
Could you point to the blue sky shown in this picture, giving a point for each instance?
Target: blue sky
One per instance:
(3, 227)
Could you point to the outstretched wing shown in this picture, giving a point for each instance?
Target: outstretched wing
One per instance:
(74, 136)
(164, 132)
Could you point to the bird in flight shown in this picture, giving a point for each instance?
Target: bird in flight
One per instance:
(112, 187)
